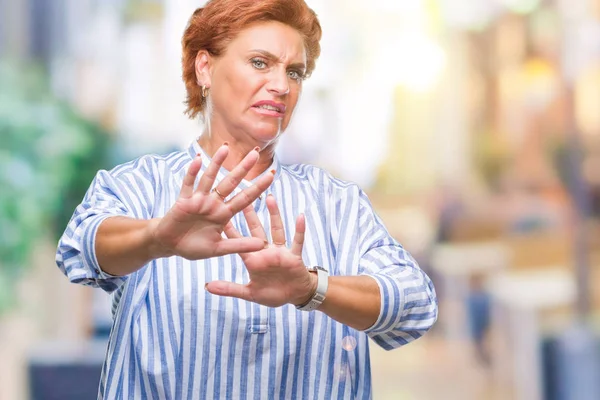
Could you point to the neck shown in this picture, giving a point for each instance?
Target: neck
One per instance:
(238, 149)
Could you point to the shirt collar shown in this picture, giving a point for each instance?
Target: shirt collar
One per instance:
(195, 149)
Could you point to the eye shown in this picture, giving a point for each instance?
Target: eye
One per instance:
(296, 75)
(258, 63)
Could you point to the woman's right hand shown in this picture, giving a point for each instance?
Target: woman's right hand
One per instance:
(193, 227)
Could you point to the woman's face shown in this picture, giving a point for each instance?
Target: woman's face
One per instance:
(256, 83)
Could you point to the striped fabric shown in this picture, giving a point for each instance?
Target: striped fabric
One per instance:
(173, 340)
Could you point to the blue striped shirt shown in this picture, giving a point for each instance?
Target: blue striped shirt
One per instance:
(171, 339)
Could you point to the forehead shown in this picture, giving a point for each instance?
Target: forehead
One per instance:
(279, 39)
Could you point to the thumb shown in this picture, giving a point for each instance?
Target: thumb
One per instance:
(229, 289)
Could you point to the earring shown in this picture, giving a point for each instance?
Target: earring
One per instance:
(204, 91)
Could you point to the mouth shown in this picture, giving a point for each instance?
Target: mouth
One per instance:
(270, 108)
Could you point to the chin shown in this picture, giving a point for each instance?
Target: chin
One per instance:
(266, 132)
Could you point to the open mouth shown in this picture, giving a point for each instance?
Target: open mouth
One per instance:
(270, 107)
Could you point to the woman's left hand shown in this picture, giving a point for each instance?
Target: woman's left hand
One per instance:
(277, 273)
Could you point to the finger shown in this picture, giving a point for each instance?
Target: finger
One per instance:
(187, 187)
(229, 289)
(239, 245)
(247, 196)
(208, 177)
(277, 231)
(299, 235)
(254, 224)
(231, 232)
(233, 179)
(256, 228)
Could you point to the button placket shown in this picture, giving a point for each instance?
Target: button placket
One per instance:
(258, 320)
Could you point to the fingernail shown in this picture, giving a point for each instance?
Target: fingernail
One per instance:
(206, 286)
(257, 149)
(273, 171)
(226, 144)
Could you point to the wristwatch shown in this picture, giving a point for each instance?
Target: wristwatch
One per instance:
(319, 296)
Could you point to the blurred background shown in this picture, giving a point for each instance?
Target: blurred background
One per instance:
(473, 125)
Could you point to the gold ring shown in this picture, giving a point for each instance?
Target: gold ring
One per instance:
(219, 193)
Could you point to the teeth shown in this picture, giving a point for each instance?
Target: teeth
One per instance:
(268, 107)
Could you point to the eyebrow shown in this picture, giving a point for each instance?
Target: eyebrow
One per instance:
(273, 57)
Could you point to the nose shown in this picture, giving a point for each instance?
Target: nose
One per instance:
(278, 84)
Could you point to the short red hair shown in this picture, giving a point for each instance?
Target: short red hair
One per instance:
(212, 27)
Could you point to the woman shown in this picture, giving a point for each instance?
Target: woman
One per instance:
(207, 302)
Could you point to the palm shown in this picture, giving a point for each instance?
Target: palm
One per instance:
(277, 274)
(199, 223)
(273, 274)
(193, 227)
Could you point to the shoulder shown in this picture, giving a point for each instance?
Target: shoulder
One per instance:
(322, 182)
(153, 166)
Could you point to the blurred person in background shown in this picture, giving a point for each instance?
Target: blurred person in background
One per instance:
(234, 276)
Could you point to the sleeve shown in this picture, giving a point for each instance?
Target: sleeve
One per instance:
(408, 300)
(125, 191)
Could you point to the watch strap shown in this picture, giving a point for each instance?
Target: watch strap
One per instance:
(319, 296)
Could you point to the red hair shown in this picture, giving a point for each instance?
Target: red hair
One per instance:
(212, 27)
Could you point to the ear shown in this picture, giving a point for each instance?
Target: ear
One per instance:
(202, 63)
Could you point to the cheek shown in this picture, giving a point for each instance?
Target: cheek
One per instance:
(236, 86)
(246, 91)
(292, 108)
(237, 83)
(294, 99)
